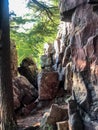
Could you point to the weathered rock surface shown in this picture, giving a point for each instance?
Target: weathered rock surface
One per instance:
(82, 57)
(48, 85)
(56, 114)
(82, 51)
(63, 125)
(67, 8)
(75, 120)
(24, 92)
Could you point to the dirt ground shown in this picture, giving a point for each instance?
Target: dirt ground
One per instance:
(33, 119)
(36, 115)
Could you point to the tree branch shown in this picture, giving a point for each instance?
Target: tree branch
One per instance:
(44, 7)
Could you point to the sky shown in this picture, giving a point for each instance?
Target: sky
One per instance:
(18, 6)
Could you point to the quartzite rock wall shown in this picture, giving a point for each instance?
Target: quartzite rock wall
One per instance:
(81, 52)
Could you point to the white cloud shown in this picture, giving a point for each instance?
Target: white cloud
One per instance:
(18, 6)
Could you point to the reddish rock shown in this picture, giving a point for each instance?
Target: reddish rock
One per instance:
(82, 51)
(28, 108)
(91, 51)
(63, 125)
(80, 37)
(56, 114)
(35, 106)
(24, 92)
(48, 85)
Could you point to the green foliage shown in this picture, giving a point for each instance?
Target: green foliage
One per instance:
(30, 41)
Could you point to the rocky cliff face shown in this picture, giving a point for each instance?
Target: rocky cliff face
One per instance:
(81, 52)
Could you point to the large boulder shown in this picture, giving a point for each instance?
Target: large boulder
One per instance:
(48, 85)
(56, 114)
(24, 92)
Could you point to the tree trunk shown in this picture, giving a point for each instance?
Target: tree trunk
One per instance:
(7, 113)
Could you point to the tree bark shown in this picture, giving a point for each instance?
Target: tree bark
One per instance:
(7, 112)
